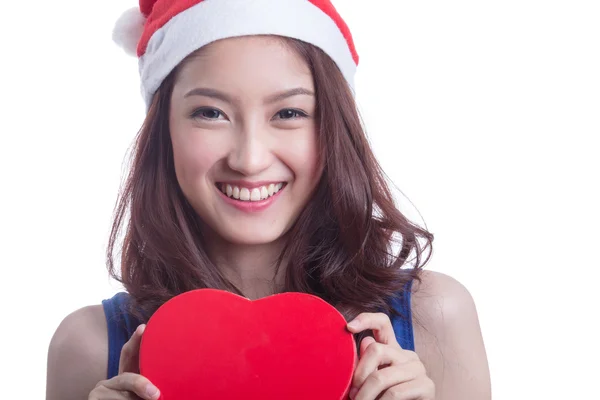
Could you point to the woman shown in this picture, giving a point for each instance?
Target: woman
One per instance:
(252, 174)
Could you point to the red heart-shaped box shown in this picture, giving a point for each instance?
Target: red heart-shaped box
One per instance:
(212, 344)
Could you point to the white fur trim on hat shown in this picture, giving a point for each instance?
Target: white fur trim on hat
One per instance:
(128, 30)
(209, 21)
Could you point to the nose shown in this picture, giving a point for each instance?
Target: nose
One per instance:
(251, 152)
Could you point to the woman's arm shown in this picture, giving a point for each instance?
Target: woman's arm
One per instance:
(78, 355)
(448, 338)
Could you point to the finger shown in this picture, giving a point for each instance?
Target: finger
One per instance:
(104, 393)
(363, 348)
(129, 361)
(365, 343)
(420, 389)
(375, 355)
(379, 323)
(381, 380)
(133, 383)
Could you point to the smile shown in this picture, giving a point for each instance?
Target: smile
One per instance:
(255, 198)
(255, 194)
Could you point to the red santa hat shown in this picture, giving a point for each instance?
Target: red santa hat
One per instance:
(163, 32)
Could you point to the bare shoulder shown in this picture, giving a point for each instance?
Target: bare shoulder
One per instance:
(438, 292)
(448, 338)
(78, 355)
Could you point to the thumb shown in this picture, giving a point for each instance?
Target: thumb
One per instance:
(366, 342)
(130, 353)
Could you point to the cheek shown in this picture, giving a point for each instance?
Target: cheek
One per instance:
(311, 157)
(302, 156)
(194, 156)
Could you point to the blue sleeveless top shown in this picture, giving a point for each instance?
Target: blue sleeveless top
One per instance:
(121, 325)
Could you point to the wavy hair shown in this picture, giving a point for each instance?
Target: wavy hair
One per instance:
(350, 245)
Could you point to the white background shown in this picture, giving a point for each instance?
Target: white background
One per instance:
(485, 114)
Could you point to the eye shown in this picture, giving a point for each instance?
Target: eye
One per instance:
(290, 113)
(207, 113)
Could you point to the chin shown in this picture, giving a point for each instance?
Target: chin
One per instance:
(251, 238)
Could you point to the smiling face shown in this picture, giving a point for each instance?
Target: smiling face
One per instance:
(243, 129)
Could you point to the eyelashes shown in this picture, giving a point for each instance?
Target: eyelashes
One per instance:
(202, 112)
(293, 112)
(212, 114)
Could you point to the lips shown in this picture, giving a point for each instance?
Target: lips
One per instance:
(251, 194)
(250, 197)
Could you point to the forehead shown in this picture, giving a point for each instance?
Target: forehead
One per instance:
(265, 61)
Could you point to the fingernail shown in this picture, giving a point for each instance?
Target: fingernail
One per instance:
(353, 324)
(152, 391)
(353, 392)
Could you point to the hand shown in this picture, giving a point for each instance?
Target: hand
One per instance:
(384, 370)
(128, 385)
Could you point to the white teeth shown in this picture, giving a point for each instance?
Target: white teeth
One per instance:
(254, 194)
(244, 194)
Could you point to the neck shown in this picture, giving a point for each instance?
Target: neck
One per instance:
(251, 268)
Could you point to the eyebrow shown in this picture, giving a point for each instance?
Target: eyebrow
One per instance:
(216, 94)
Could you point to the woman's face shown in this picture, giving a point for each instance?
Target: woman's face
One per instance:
(242, 124)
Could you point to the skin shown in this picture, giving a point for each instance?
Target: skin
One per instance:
(251, 135)
(253, 139)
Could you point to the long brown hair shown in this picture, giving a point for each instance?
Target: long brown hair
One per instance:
(342, 247)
